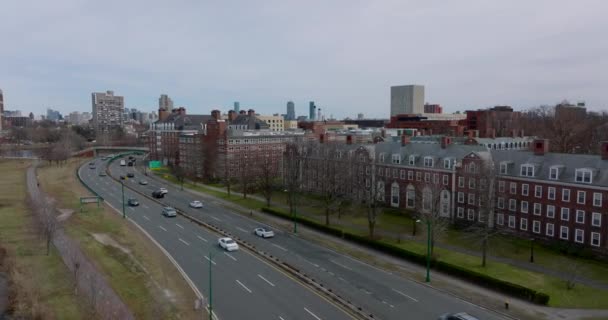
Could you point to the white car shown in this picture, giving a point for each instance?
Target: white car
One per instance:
(228, 244)
(263, 232)
(169, 212)
(196, 204)
(163, 190)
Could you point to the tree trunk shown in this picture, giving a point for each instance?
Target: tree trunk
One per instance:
(326, 216)
(484, 250)
(372, 226)
(48, 245)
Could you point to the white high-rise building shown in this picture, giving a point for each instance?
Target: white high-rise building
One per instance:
(108, 111)
(165, 103)
(407, 99)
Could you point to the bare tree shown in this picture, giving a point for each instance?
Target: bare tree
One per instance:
(368, 189)
(292, 172)
(331, 171)
(432, 207)
(180, 174)
(266, 181)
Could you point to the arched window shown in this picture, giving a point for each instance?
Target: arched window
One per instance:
(395, 194)
(445, 203)
(427, 200)
(380, 193)
(410, 196)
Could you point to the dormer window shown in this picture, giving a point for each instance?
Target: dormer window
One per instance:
(382, 157)
(447, 163)
(472, 168)
(553, 173)
(503, 168)
(412, 160)
(527, 170)
(583, 175)
(396, 159)
(428, 162)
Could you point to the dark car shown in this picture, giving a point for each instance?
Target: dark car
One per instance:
(132, 202)
(130, 157)
(158, 194)
(457, 316)
(130, 175)
(102, 173)
(130, 163)
(122, 177)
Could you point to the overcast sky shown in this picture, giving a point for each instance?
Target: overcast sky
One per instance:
(344, 55)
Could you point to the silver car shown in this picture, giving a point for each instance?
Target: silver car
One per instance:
(263, 232)
(169, 212)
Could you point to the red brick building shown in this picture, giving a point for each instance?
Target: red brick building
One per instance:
(500, 121)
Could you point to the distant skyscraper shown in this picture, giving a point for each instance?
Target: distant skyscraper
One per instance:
(1, 102)
(237, 107)
(165, 103)
(108, 111)
(311, 110)
(407, 99)
(360, 116)
(53, 115)
(291, 111)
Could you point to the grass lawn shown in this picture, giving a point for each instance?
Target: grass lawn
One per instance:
(146, 281)
(43, 283)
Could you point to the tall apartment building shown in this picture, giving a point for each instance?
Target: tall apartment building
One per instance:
(1, 108)
(291, 111)
(407, 99)
(311, 111)
(432, 108)
(165, 105)
(276, 123)
(108, 111)
(500, 121)
(237, 106)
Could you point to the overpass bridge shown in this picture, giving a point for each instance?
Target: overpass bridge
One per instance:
(97, 150)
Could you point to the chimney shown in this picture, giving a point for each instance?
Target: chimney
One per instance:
(251, 112)
(181, 111)
(513, 133)
(445, 142)
(349, 139)
(231, 115)
(322, 138)
(405, 140)
(216, 114)
(470, 134)
(521, 133)
(493, 133)
(242, 112)
(604, 150)
(540, 146)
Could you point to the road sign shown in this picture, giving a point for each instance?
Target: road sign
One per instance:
(85, 200)
(155, 164)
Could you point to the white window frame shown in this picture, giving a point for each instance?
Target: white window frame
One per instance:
(512, 205)
(500, 219)
(536, 226)
(435, 178)
(596, 216)
(577, 233)
(583, 175)
(447, 163)
(526, 170)
(597, 199)
(411, 160)
(524, 206)
(551, 193)
(501, 203)
(446, 180)
(553, 173)
(410, 175)
(501, 186)
(461, 197)
(418, 176)
(381, 157)
(472, 183)
(523, 224)
(561, 232)
(427, 177)
(550, 227)
(595, 239)
(402, 174)
(550, 211)
(503, 167)
(429, 162)
(538, 209)
(471, 198)
(538, 191)
(513, 188)
(470, 214)
(525, 189)
(512, 222)
(566, 195)
(460, 212)
(396, 158)
(461, 182)
(564, 212)
(580, 214)
(581, 197)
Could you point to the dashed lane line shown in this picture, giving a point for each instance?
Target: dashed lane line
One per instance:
(203, 239)
(161, 227)
(245, 287)
(179, 225)
(405, 295)
(184, 242)
(278, 246)
(341, 265)
(270, 283)
(312, 314)
(230, 256)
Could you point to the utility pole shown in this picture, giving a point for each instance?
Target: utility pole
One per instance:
(123, 199)
(428, 251)
(210, 288)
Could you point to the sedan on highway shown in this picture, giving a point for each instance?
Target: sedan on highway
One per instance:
(132, 202)
(263, 232)
(457, 316)
(228, 244)
(102, 173)
(122, 177)
(169, 212)
(163, 190)
(143, 182)
(196, 204)
(131, 175)
(158, 194)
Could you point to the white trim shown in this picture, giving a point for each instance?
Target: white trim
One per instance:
(523, 224)
(552, 229)
(536, 226)
(576, 235)
(557, 183)
(580, 213)
(593, 216)
(561, 232)
(593, 237)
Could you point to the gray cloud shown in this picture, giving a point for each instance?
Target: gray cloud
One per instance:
(343, 54)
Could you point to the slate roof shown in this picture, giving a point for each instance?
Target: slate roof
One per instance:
(187, 121)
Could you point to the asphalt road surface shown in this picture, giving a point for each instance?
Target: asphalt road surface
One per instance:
(385, 295)
(244, 286)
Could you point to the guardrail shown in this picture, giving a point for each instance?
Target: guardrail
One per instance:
(86, 185)
(304, 278)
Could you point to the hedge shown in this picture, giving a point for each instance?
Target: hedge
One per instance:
(506, 287)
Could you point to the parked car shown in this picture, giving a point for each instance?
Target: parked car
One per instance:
(132, 202)
(196, 204)
(158, 194)
(457, 316)
(143, 182)
(163, 190)
(130, 174)
(263, 232)
(169, 212)
(92, 167)
(102, 173)
(92, 163)
(228, 244)
(122, 177)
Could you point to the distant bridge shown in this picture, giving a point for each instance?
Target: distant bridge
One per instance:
(95, 151)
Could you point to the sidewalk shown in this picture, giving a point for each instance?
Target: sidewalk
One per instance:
(483, 297)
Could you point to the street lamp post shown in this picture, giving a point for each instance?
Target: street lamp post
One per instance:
(428, 250)
(210, 287)
(532, 250)
(123, 199)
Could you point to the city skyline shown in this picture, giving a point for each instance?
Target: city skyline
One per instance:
(538, 60)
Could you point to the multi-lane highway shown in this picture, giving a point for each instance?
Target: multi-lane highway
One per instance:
(244, 286)
(385, 295)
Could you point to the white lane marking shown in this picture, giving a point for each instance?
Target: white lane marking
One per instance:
(341, 265)
(366, 264)
(229, 255)
(162, 228)
(278, 246)
(312, 314)
(184, 242)
(390, 305)
(177, 224)
(145, 217)
(281, 318)
(405, 295)
(132, 209)
(342, 279)
(314, 264)
(145, 206)
(202, 238)
(270, 283)
(241, 229)
(210, 260)
(242, 285)
(216, 218)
